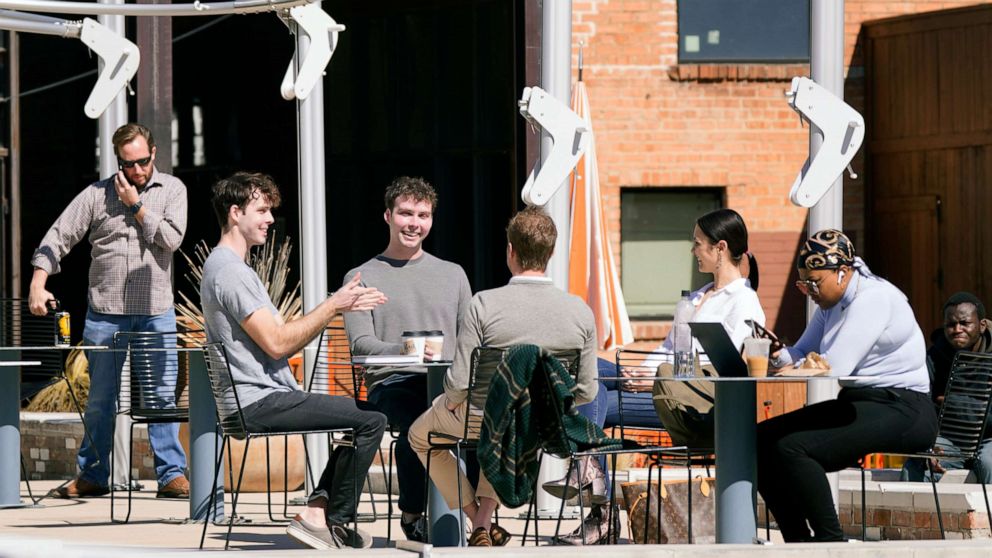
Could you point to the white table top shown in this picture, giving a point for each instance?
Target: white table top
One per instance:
(11, 363)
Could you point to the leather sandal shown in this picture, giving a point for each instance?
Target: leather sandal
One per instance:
(498, 535)
(480, 537)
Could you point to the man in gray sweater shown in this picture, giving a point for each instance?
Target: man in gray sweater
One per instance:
(426, 293)
(529, 310)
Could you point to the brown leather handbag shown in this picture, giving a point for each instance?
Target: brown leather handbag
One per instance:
(663, 518)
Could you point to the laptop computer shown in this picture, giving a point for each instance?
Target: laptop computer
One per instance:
(722, 353)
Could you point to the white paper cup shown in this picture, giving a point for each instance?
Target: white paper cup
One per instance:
(413, 343)
(434, 339)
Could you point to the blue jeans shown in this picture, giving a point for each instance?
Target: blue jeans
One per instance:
(916, 469)
(604, 410)
(105, 370)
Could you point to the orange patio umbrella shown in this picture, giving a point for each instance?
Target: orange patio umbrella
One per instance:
(592, 274)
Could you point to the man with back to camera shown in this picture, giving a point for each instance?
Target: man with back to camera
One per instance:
(239, 313)
(136, 219)
(426, 293)
(528, 310)
(965, 329)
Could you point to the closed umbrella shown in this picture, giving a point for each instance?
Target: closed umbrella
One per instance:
(592, 274)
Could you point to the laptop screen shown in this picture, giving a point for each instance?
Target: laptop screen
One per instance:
(722, 353)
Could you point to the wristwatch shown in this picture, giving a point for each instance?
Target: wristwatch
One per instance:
(136, 207)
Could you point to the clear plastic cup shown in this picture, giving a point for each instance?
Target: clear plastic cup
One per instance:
(756, 355)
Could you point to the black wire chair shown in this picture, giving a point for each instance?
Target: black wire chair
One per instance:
(561, 446)
(963, 419)
(635, 363)
(150, 390)
(231, 420)
(484, 362)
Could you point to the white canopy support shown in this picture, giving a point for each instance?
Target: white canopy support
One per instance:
(120, 62)
(843, 130)
(570, 136)
(322, 31)
(167, 10)
(120, 56)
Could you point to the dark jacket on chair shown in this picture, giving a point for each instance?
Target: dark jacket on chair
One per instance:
(523, 416)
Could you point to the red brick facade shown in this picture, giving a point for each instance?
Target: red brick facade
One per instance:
(662, 124)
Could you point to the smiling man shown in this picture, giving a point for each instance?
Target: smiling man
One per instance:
(426, 293)
(239, 313)
(135, 219)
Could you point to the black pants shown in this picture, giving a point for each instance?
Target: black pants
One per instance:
(403, 402)
(344, 475)
(796, 450)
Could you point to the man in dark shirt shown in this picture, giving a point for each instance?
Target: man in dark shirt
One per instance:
(965, 329)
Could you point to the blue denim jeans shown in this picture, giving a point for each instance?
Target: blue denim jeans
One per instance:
(105, 370)
(916, 469)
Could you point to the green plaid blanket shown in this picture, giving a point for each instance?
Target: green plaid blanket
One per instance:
(523, 415)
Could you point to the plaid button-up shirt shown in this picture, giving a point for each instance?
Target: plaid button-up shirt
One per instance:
(131, 268)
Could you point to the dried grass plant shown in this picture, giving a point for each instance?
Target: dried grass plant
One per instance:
(55, 398)
(271, 265)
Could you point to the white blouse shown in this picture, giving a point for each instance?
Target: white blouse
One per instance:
(729, 306)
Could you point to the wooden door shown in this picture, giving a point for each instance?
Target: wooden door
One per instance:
(905, 242)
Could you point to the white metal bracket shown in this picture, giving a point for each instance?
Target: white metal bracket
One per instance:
(120, 62)
(323, 33)
(570, 136)
(843, 130)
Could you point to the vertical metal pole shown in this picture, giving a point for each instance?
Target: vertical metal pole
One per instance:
(15, 165)
(116, 114)
(114, 117)
(556, 79)
(827, 69)
(313, 229)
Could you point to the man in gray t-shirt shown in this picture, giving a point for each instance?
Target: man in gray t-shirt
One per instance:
(426, 293)
(239, 314)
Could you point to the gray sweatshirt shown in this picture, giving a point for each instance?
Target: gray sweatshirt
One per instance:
(427, 293)
(529, 310)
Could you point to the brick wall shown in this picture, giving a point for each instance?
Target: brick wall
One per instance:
(906, 524)
(49, 448)
(662, 124)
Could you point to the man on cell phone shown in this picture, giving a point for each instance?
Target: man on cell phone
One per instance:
(135, 219)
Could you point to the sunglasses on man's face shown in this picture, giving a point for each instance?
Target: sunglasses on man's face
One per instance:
(125, 164)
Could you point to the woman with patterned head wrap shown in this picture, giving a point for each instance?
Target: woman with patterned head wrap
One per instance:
(865, 329)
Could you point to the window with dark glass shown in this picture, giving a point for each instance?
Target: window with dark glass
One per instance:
(738, 31)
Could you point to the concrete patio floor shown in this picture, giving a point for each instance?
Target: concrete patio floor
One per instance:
(68, 528)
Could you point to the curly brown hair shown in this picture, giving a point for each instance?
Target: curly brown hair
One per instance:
(416, 188)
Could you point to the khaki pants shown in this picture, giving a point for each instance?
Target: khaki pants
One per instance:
(443, 472)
